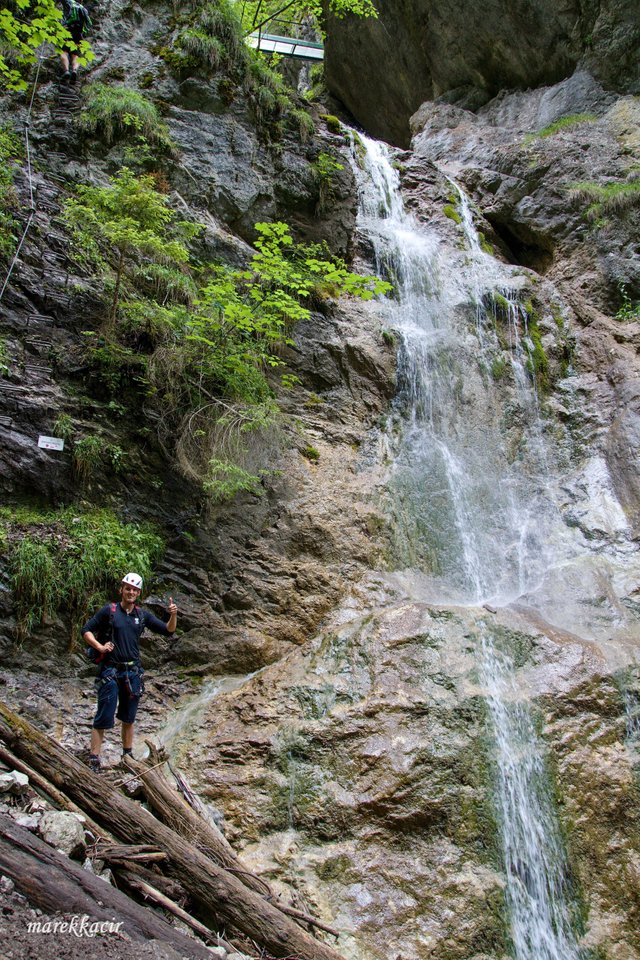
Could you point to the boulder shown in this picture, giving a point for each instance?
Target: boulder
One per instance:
(64, 831)
(13, 782)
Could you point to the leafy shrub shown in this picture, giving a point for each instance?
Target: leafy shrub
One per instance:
(116, 113)
(207, 338)
(22, 34)
(10, 153)
(124, 223)
(66, 560)
(87, 456)
(627, 310)
(63, 427)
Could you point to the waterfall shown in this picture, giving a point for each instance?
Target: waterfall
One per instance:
(478, 539)
(477, 521)
(534, 859)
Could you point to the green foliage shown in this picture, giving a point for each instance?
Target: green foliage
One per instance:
(499, 367)
(114, 365)
(311, 453)
(4, 358)
(125, 224)
(224, 480)
(627, 310)
(207, 339)
(118, 113)
(255, 12)
(63, 427)
(92, 454)
(87, 456)
(563, 123)
(317, 89)
(303, 121)
(230, 346)
(485, 246)
(609, 198)
(451, 211)
(333, 124)
(325, 167)
(211, 40)
(24, 26)
(538, 363)
(10, 153)
(66, 560)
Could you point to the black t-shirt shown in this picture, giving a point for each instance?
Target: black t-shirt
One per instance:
(127, 628)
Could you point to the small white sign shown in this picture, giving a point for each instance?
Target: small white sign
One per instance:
(50, 443)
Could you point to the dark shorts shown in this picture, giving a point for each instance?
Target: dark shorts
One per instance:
(119, 689)
(76, 36)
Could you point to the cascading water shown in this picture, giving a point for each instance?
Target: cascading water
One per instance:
(473, 515)
(533, 854)
(485, 504)
(480, 521)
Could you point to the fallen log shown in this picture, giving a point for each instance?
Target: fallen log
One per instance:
(148, 890)
(173, 810)
(171, 888)
(210, 887)
(141, 852)
(56, 884)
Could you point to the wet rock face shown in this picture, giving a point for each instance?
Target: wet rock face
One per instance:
(464, 53)
(538, 166)
(361, 770)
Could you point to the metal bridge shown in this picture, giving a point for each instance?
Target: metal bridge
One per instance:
(286, 46)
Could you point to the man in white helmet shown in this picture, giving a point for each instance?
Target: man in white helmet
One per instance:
(114, 633)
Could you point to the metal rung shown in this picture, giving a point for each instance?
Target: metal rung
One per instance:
(39, 318)
(11, 388)
(6, 421)
(38, 368)
(40, 343)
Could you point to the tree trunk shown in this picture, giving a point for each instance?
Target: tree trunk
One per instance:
(210, 887)
(173, 810)
(53, 882)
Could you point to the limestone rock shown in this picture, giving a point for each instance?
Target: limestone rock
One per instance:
(64, 831)
(13, 782)
(383, 69)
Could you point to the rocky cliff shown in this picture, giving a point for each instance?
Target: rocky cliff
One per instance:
(465, 53)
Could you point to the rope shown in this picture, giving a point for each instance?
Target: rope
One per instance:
(32, 206)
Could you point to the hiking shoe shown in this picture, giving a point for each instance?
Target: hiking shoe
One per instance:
(94, 763)
(74, 76)
(66, 76)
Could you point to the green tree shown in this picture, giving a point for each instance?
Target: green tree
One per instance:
(254, 10)
(211, 336)
(127, 225)
(24, 26)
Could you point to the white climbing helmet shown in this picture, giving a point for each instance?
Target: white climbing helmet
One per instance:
(133, 580)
